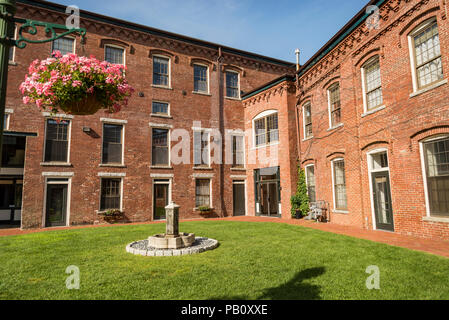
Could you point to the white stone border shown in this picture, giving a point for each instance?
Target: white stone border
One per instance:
(173, 253)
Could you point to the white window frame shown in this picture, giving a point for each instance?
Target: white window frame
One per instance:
(69, 137)
(8, 113)
(116, 47)
(169, 86)
(68, 37)
(424, 172)
(241, 135)
(56, 175)
(333, 186)
(308, 103)
(12, 59)
(169, 129)
(105, 175)
(307, 176)
(226, 87)
(206, 177)
(167, 115)
(331, 125)
(364, 86)
(208, 78)
(203, 131)
(371, 170)
(264, 114)
(411, 45)
(114, 122)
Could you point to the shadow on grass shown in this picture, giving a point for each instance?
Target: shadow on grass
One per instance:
(295, 289)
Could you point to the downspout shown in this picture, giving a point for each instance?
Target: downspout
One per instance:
(297, 106)
(221, 129)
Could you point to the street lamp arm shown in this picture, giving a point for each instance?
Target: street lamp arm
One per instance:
(30, 27)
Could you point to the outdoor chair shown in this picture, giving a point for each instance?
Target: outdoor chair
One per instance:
(318, 211)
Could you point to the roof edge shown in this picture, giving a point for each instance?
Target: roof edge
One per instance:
(158, 32)
(271, 84)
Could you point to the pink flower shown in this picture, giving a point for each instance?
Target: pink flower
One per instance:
(26, 100)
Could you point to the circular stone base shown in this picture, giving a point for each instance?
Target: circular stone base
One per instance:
(200, 245)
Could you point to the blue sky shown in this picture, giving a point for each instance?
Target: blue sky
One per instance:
(273, 28)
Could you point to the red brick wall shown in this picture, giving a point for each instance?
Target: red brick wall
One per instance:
(85, 150)
(393, 128)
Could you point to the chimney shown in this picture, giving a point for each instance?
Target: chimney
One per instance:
(297, 52)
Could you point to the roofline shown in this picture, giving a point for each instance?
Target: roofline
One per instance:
(355, 22)
(271, 84)
(142, 28)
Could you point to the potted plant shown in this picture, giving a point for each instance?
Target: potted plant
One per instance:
(76, 85)
(300, 201)
(205, 210)
(112, 215)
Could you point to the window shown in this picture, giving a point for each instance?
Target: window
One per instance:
(201, 155)
(238, 153)
(308, 132)
(160, 154)
(12, 49)
(112, 144)
(202, 191)
(64, 45)
(114, 55)
(6, 122)
(341, 203)
(266, 130)
(110, 194)
(436, 154)
(57, 141)
(372, 84)
(161, 75)
(427, 54)
(200, 79)
(160, 108)
(334, 105)
(13, 152)
(310, 177)
(232, 85)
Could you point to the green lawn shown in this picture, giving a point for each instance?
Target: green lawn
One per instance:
(254, 261)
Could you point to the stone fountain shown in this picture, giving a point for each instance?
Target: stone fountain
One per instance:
(173, 242)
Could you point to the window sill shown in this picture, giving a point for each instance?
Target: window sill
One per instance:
(12, 63)
(238, 169)
(266, 146)
(162, 167)
(336, 127)
(203, 168)
(373, 111)
(431, 87)
(436, 219)
(234, 99)
(307, 139)
(161, 87)
(340, 212)
(155, 115)
(56, 164)
(112, 166)
(202, 93)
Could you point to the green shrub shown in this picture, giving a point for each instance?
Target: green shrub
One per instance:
(300, 201)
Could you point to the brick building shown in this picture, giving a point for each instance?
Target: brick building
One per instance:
(65, 173)
(372, 120)
(366, 117)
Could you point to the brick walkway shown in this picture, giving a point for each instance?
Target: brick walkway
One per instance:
(430, 246)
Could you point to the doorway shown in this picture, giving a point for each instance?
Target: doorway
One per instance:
(56, 205)
(161, 198)
(11, 201)
(268, 192)
(381, 191)
(239, 198)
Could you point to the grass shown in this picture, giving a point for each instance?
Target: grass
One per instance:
(254, 261)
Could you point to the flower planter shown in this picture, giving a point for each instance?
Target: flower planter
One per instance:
(113, 217)
(87, 106)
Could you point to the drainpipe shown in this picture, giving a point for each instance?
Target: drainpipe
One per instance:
(298, 107)
(221, 128)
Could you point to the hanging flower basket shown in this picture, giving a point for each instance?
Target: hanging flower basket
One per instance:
(76, 85)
